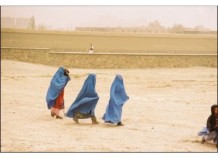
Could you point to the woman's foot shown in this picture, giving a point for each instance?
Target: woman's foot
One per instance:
(58, 117)
(203, 140)
(76, 120)
(120, 124)
(52, 114)
(94, 120)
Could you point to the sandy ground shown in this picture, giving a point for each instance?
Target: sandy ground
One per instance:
(167, 108)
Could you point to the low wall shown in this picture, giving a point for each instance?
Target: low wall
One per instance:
(39, 55)
(107, 60)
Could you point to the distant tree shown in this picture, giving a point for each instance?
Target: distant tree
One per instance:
(155, 27)
(177, 28)
(32, 23)
(200, 28)
(155, 24)
(42, 27)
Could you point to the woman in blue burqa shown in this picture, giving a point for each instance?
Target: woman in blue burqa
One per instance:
(55, 93)
(118, 97)
(84, 105)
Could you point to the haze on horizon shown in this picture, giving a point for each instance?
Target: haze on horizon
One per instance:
(68, 17)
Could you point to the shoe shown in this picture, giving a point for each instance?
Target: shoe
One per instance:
(76, 120)
(94, 120)
(58, 117)
(52, 114)
(202, 140)
(120, 124)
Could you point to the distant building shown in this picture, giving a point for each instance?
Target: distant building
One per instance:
(20, 23)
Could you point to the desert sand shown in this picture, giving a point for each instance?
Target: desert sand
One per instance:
(166, 109)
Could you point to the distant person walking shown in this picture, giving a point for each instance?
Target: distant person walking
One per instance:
(118, 97)
(55, 93)
(91, 49)
(84, 105)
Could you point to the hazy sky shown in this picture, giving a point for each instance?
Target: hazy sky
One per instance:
(103, 16)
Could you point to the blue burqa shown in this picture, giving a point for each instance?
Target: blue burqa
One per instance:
(57, 84)
(118, 97)
(86, 100)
